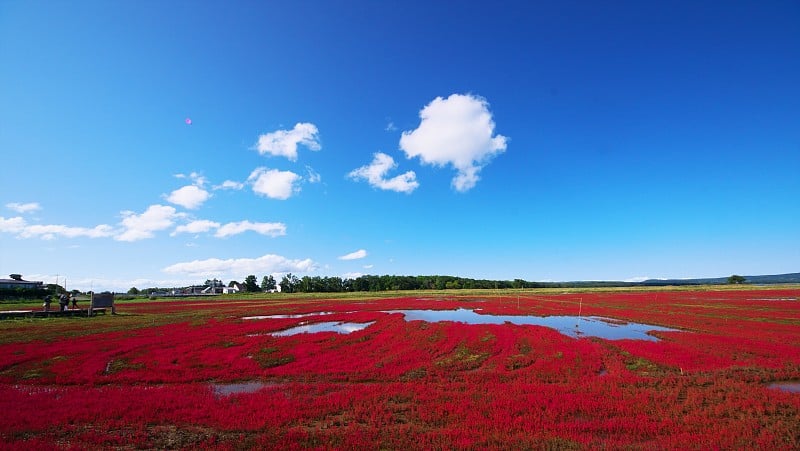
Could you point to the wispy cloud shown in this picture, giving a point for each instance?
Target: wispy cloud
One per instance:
(455, 131)
(24, 208)
(375, 174)
(12, 225)
(22, 229)
(195, 177)
(241, 267)
(273, 183)
(283, 143)
(197, 226)
(361, 253)
(312, 175)
(51, 231)
(272, 229)
(229, 184)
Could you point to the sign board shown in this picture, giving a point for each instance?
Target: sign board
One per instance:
(102, 300)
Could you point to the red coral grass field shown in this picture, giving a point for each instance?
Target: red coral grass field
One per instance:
(227, 374)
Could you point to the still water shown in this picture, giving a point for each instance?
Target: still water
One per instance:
(573, 326)
(791, 387)
(333, 326)
(236, 388)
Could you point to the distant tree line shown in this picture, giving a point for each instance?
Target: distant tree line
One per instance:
(307, 284)
(290, 283)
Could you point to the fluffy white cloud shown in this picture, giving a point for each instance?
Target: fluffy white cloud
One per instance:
(189, 196)
(361, 253)
(138, 227)
(20, 227)
(283, 143)
(239, 267)
(199, 226)
(272, 229)
(24, 208)
(456, 131)
(352, 275)
(375, 174)
(273, 183)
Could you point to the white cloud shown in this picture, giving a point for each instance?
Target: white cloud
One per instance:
(283, 143)
(637, 279)
(24, 208)
(272, 229)
(352, 275)
(189, 196)
(273, 183)
(138, 227)
(12, 225)
(368, 266)
(198, 226)
(196, 178)
(375, 174)
(361, 253)
(456, 131)
(313, 176)
(240, 267)
(49, 232)
(230, 184)
(390, 127)
(20, 227)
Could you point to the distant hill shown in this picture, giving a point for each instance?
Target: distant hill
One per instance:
(758, 280)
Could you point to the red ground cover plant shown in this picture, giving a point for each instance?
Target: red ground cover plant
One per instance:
(195, 374)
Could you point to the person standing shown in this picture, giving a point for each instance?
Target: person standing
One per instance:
(74, 301)
(46, 305)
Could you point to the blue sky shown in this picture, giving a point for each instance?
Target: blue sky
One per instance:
(543, 141)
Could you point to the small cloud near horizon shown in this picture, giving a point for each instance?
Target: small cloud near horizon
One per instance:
(359, 254)
(235, 267)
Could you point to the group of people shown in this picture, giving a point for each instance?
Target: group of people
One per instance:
(63, 302)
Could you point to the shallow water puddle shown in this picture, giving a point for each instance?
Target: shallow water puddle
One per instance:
(332, 326)
(791, 387)
(298, 315)
(237, 388)
(573, 326)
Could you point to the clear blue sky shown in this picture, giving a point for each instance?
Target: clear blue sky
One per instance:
(535, 140)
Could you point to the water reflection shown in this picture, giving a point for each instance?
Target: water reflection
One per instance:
(791, 387)
(573, 326)
(233, 389)
(298, 315)
(334, 326)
